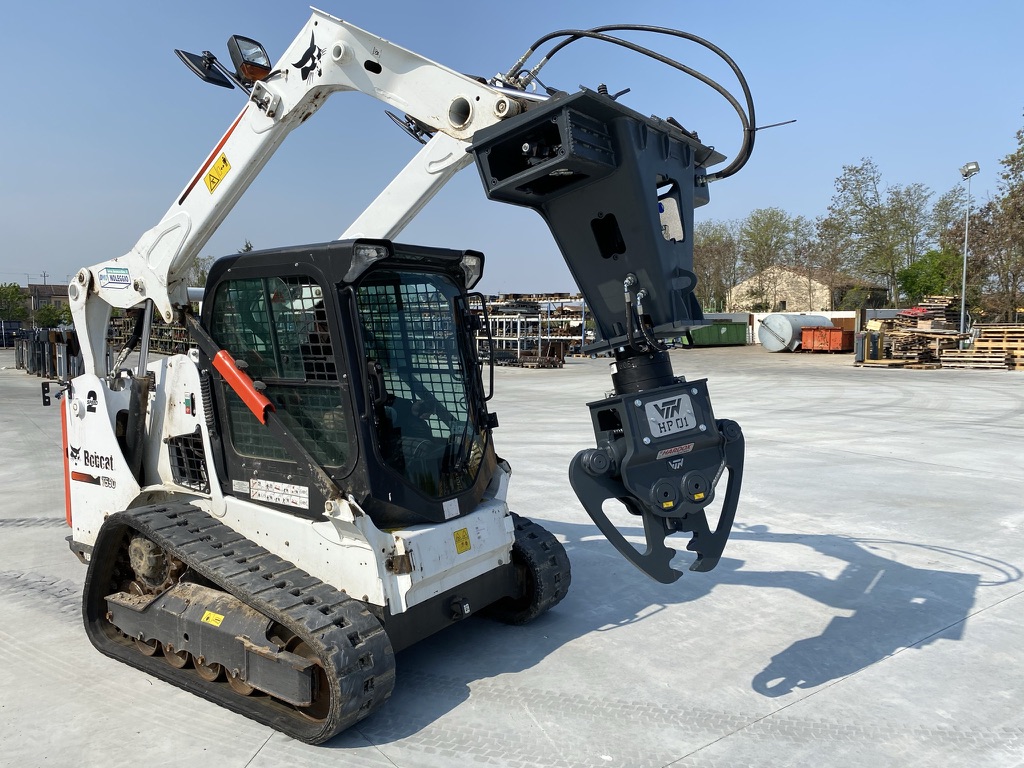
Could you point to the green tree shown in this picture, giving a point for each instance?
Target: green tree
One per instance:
(1007, 262)
(911, 218)
(936, 273)
(715, 262)
(995, 258)
(834, 254)
(199, 271)
(947, 215)
(857, 211)
(52, 315)
(803, 253)
(765, 240)
(995, 265)
(888, 226)
(12, 302)
(855, 298)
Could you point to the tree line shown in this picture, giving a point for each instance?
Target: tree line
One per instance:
(899, 237)
(13, 307)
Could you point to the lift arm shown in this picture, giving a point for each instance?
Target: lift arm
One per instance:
(328, 56)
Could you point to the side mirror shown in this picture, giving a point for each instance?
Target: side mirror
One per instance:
(249, 58)
(206, 67)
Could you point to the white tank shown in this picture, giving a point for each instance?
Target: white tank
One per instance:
(778, 333)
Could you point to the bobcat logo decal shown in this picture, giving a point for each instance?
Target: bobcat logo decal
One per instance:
(310, 61)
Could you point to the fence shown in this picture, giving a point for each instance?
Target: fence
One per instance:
(48, 353)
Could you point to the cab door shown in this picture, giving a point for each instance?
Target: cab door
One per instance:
(282, 332)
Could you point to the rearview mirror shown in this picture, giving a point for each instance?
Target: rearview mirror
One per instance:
(206, 67)
(248, 56)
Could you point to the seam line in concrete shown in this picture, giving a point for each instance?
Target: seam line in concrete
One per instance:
(369, 741)
(260, 749)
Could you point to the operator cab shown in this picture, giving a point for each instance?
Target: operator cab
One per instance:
(367, 351)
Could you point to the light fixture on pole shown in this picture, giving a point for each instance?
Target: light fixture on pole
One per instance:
(967, 171)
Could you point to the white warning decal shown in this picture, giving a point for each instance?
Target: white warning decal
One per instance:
(279, 493)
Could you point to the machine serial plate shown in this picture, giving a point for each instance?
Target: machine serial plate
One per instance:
(670, 416)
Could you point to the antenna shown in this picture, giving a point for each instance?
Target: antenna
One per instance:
(775, 125)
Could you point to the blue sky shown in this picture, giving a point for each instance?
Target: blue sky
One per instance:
(102, 126)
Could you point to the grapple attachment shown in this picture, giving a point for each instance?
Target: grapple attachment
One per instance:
(661, 453)
(618, 190)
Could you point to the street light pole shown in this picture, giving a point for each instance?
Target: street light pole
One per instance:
(967, 171)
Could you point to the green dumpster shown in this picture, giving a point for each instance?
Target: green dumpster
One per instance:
(721, 333)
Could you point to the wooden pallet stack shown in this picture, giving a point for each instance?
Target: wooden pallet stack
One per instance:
(537, 361)
(997, 346)
(924, 332)
(944, 308)
(939, 312)
(918, 346)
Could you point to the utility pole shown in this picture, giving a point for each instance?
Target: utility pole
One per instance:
(969, 170)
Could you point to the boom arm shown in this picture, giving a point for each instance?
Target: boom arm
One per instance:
(440, 159)
(328, 56)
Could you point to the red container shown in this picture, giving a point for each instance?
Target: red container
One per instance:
(826, 340)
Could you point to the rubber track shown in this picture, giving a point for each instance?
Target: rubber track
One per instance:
(549, 555)
(349, 642)
(538, 551)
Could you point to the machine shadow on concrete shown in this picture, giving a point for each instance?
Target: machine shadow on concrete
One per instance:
(877, 605)
(885, 606)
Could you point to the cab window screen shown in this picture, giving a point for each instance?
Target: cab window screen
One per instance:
(278, 327)
(426, 430)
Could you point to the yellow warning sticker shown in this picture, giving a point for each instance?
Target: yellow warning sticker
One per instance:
(217, 172)
(462, 540)
(212, 618)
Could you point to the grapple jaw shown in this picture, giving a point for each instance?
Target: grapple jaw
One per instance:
(662, 453)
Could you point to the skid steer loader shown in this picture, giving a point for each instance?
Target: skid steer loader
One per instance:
(268, 517)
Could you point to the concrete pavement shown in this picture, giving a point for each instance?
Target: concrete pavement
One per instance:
(868, 611)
